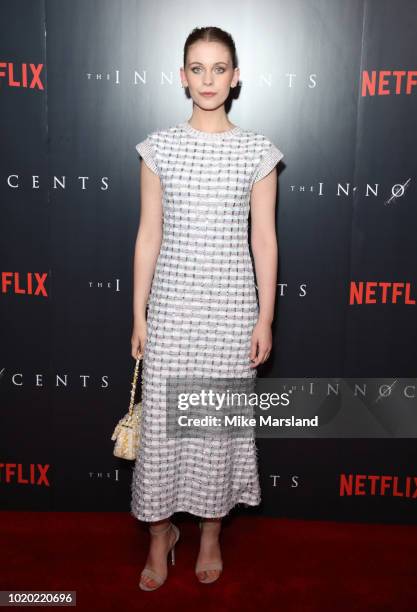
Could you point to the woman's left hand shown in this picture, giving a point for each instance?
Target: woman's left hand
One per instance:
(261, 343)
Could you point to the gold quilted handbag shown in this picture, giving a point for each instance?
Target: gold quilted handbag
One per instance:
(127, 431)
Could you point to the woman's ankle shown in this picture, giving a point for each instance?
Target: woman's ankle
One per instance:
(210, 521)
(159, 526)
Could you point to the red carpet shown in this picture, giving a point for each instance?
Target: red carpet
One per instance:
(277, 564)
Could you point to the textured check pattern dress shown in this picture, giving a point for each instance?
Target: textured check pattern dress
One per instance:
(202, 308)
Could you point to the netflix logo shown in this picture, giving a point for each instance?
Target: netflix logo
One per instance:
(378, 485)
(30, 283)
(374, 292)
(17, 473)
(21, 75)
(387, 82)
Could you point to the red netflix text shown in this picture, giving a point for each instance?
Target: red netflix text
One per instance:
(29, 283)
(380, 292)
(17, 473)
(387, 82)
(21, 75)
(378, 485)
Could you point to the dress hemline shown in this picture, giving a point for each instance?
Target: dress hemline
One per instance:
(190, 511)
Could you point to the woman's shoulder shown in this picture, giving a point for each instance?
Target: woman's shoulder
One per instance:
(262, 146)
(156, 139)
(161, 134)
(259, 138)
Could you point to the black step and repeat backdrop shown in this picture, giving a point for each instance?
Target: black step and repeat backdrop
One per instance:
(333, 83)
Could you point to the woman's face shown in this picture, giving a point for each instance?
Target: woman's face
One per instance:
(209, 68)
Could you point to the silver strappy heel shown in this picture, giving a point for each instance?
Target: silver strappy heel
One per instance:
(147, 571)
(214, 565)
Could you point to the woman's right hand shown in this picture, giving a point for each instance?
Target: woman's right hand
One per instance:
(139, 335)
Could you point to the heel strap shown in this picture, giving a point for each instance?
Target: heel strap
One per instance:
(156, 531)
(214, 565)
(150, 573)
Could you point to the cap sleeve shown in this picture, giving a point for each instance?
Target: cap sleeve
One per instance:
(269, 159)
(147, 152)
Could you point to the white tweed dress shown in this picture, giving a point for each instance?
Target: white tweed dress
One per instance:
(202, 308)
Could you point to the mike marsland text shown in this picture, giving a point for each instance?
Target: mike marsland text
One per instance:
(270, 421)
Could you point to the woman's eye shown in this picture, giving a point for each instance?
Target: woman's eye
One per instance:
(196, 68)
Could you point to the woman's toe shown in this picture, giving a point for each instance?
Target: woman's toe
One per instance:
(148, 581)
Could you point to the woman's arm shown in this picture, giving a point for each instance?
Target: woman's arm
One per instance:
(148, 244)
(265, 251)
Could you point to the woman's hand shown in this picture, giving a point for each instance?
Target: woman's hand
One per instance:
(261, 343)
(139, 336)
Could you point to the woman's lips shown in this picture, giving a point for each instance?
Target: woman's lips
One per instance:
(208, 95)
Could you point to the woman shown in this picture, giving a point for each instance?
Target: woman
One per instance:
(199, 180)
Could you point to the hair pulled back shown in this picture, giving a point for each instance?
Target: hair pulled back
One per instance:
(211, 34)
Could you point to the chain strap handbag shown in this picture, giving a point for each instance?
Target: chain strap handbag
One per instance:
(127, 431)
